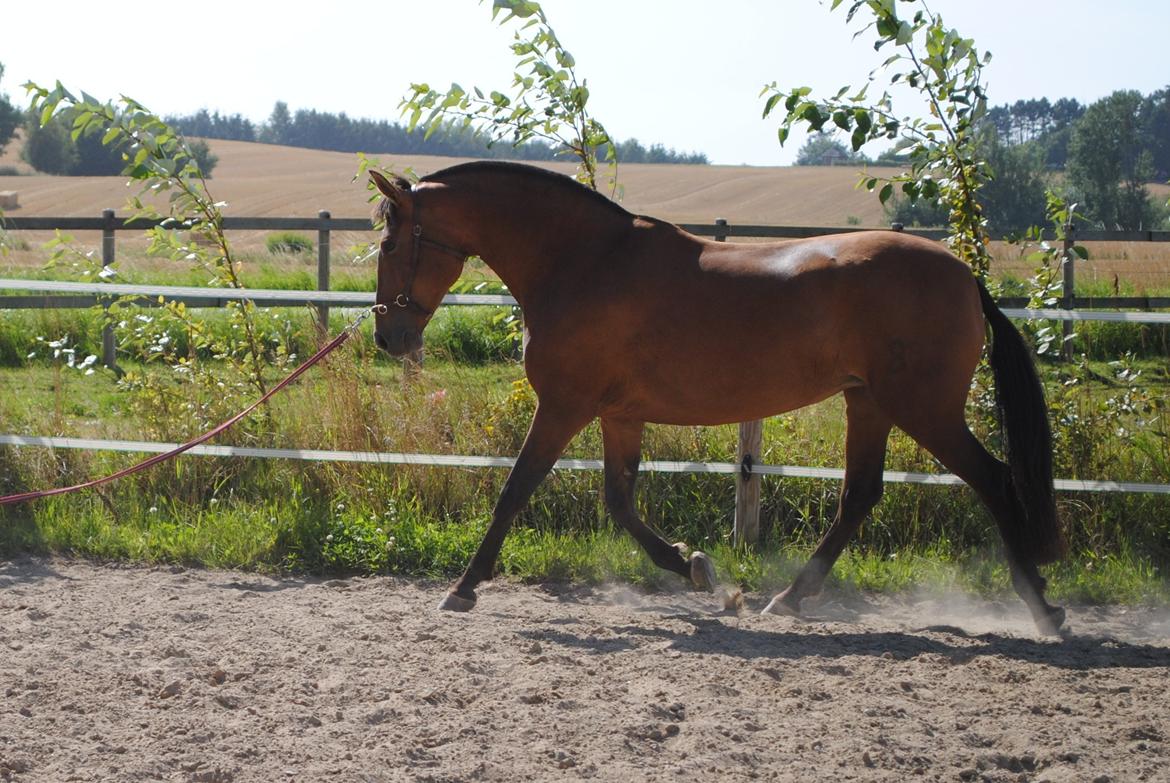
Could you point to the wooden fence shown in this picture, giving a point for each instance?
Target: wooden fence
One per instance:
(750, 433)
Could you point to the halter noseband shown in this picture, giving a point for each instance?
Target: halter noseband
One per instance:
(404, 299)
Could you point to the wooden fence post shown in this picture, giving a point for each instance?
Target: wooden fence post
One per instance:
(323, 268)
(747, 484)
(747, 453)
(108, 255)
(1068, 300)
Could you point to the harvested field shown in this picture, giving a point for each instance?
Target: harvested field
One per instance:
(267, 180)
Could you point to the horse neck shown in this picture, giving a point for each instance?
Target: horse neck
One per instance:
(525, 234)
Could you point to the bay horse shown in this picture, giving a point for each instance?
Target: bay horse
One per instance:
(632, 320)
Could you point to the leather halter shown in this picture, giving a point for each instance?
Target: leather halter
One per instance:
(404, 299)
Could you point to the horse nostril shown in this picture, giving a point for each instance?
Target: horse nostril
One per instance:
(380, 341)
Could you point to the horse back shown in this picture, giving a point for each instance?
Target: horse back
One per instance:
(666, 326)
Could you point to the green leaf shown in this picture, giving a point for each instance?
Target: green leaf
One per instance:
(857, 140)
(885, 193)
(771, 103)
(905, 34)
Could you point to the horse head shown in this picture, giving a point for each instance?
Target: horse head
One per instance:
(414, 271)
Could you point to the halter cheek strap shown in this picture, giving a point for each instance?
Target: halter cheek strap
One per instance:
(404, 300)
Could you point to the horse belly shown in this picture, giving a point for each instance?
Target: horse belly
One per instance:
(691, 386)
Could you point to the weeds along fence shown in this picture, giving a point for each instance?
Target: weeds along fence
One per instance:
(43, 294)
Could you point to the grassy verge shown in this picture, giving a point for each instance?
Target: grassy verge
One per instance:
(285, 536)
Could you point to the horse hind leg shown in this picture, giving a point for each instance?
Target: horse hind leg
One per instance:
(868, 429)
(961, 453)
(623, 451)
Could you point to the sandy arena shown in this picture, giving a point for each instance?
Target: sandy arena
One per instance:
(127, 673)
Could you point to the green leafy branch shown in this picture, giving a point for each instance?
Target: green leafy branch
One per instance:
(941, 147)
(161, 162)
(1046, 286)
(546, 99)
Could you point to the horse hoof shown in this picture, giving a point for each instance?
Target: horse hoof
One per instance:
(457, 603)
(702, 572)
(783, 604)
(1051, 621)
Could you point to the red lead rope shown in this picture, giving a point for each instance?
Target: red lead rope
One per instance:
(157, 458)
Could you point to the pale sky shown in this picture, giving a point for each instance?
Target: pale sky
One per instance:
(681, 72)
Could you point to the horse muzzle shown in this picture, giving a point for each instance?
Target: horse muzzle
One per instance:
(398, 342)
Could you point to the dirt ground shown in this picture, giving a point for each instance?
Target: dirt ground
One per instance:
(113, 672)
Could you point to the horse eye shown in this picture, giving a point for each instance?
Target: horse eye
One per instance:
(388, 245)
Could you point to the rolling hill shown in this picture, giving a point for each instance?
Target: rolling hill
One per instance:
(269, 180)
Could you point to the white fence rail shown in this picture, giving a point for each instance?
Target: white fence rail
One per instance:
(471, 461)
(276, 297)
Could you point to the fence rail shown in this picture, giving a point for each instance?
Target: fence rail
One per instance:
(748, 471)
(89, 294)
(476, 461)
(325, 222)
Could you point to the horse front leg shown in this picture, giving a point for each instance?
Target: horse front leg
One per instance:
(868, 429)
(552, 429)
(623, 452)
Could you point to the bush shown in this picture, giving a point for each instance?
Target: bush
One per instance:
(48, 149)
(51, 149)
(916, 213)
(288, 242)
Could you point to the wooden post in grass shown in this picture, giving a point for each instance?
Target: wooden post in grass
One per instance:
(323, 268)
(1069, 294)
(108, 357)
(747, 484)
(747, 453)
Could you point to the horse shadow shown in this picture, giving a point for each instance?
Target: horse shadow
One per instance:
(722, 635)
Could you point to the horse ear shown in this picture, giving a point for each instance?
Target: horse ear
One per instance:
(384, 186)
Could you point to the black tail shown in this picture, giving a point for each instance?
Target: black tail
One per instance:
(1023, 415)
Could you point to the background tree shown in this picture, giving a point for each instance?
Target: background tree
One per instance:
(10, 116)
(1154, 117)
(1108, 165)
(208, 125)
(48, 148)
(1013, 197)
(822, 149)
(276, 130)
(326, 131)
(1038, 122)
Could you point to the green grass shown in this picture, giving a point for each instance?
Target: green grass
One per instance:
(284, 536)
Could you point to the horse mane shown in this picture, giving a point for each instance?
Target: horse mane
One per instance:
(566, 183)
(382, 210)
